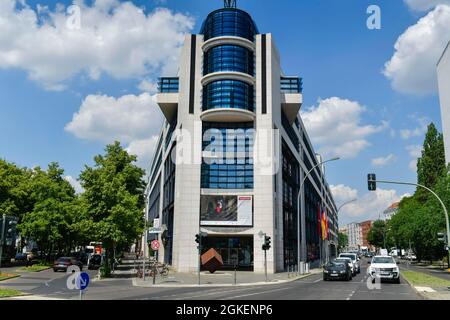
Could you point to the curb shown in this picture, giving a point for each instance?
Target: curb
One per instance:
(135, 284)
(420, 294)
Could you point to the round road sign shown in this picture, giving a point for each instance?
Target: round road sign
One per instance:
(155, 245)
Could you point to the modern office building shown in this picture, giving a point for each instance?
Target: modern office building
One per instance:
(232, 154)
(443, 70)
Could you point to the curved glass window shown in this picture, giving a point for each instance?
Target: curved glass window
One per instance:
(229, 22)
(228, 58)
(228, 94)
(231, 167)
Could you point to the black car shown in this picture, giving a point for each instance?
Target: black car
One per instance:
(337, 270)
(95, 262)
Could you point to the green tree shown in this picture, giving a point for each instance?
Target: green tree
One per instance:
(14, 191)
(50, 220)
(431, 165)
(377, 235)
(112, 203)
(342, 240)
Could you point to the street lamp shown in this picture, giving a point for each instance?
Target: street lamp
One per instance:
(343, 205)
(298, 205)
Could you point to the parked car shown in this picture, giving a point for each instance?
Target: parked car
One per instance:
(337, 270)
(95, 262)
(354, 258)
(384, 268)
(350, 264)
(65, 262)
(21, 256)
(370, 255)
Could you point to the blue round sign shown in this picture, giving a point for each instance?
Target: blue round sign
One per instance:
(83, 281)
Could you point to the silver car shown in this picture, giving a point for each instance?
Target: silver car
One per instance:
(355, 260)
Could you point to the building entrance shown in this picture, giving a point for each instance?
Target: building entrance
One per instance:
(235, 251)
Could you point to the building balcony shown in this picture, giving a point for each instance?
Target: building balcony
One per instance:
(167, 97)
(228, 40)
(228, 75)
(291, 97)
(227, 115)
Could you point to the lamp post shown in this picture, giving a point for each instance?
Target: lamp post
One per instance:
(343, 205)
(300, 192)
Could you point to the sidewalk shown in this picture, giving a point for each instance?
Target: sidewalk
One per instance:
(220, 279)
(430, 283)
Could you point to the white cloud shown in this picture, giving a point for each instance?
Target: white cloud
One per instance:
(144, 150)
(128, 118)
(368, 207)
(383, 161)
(114, 38)
(75, 184)
(415, 151)
(424, 5)
(335, 126)
(418, 131)
(412, 68)
(133, 120)
(148, 86)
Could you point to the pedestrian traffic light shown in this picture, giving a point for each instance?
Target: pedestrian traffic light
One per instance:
(197, 238)
(371, 180)
(442, 237)
(266, 245)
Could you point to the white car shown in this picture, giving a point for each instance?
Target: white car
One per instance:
(349, 262)
(355, 260)
(384, 268)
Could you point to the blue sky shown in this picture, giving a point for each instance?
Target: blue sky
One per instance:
(49, 74)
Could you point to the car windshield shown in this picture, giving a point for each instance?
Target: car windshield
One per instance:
(343, 260)
(383, 260)
(63, 260)
(96, 259)
(336, 264)
(351, 256)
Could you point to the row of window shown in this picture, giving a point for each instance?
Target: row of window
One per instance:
(229, 22)
(228, 94)
(229, 58)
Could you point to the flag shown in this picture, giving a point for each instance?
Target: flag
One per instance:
(326, 225)
(323, 225)
(319, 221)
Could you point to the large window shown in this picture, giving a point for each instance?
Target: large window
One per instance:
(229, 22)
(228, 58)
(228, 94)
(220, 170)
(290, 193)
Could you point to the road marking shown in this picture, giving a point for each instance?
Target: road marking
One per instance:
(254, 294)
(318, 280)
(351, 295)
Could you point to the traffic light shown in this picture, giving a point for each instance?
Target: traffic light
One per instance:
(266, 245)
(371, 180)
(198, 239)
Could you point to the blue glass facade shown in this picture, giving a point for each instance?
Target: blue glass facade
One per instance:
(228, 94)
(168, 85)
(229, 58)
(227, 172)
(229, 22)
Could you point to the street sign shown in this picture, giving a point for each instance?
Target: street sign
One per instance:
(83, 281)
(155, 231)
(155, 245)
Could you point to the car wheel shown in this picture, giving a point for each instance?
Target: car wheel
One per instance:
(397, 281)
(54, 270)
(325, 278)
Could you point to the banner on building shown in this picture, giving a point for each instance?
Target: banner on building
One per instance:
(226, 210)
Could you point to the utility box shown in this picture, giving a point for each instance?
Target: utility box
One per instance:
(212, 260)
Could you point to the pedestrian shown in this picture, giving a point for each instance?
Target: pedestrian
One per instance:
(29, 260)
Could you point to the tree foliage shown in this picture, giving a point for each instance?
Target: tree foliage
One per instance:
(421, 216)
(112, 203)
(342, 240)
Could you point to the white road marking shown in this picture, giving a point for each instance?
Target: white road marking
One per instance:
(254, 294)
(425, 289)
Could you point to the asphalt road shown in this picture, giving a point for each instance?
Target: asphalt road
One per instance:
(54, 285)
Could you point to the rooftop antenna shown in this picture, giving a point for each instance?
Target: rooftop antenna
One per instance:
(230, 3)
